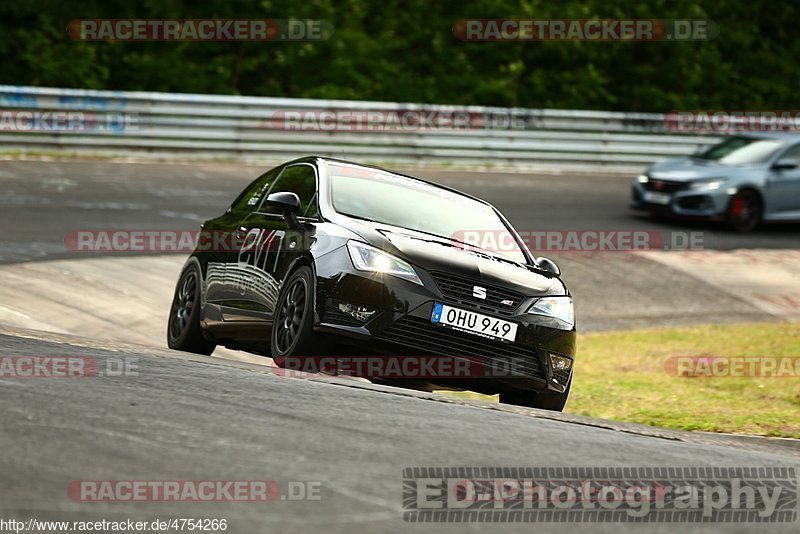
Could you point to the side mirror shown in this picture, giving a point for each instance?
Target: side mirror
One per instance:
(546, 264)
(288, 203)
(785, 164)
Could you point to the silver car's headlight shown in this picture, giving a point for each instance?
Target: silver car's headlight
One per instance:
(556, 307)
(643, 179)
(707, 185)
(370, 259)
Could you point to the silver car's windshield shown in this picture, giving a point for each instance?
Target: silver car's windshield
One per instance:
(742, 151)
(408, 203)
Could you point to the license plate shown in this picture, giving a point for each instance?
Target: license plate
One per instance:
(657, 198)
(473, 323)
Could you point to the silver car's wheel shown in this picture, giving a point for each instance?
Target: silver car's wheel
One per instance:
(745, 211)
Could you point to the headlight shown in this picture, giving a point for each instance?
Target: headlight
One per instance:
(370, 259)
(556, 307)
(706, 185)
(643, 179)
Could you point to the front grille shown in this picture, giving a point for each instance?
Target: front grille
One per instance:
(694, 202)
(421, 334)
(461, 290)
(664, 186)
(562, 376)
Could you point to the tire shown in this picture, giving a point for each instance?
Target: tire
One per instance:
(545, 401)
(293, 327)
(183, 326)
(745, 211)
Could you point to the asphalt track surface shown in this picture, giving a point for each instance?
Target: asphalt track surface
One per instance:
(185, 417)
(41, 200)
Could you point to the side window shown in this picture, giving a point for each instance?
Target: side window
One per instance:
(792, 153)
(251, 197)
(301, 180)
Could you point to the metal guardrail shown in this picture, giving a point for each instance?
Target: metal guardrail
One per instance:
(192, 126)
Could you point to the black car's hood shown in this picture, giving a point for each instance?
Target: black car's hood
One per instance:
(440, 254)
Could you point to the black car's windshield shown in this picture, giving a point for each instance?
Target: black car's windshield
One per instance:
(742, 151)
(407, 203)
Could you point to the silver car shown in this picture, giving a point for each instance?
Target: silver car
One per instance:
(744, 180)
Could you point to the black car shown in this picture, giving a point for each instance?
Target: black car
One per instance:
(328, 257)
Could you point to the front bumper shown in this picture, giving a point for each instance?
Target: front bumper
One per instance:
(683, 203)
(390, 316)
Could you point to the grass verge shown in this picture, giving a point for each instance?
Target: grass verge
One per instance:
(623, 376)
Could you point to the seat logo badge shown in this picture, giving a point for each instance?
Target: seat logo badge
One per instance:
(658, 185)
(479, 292)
